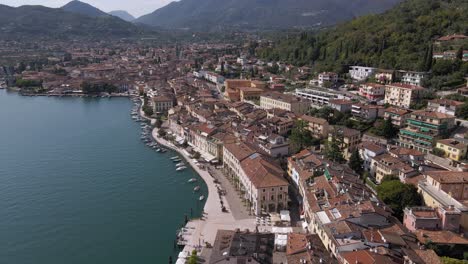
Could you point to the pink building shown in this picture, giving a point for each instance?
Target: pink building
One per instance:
(372, 91)
(428, 218)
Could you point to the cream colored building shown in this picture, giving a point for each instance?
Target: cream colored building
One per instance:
(347, 138)
(402, 95)
(261, 182)
(285, 102)
(453, 149)
(319, 127)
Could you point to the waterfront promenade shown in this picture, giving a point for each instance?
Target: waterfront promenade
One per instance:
(204, 230)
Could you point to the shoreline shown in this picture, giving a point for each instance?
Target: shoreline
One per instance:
(204, 230)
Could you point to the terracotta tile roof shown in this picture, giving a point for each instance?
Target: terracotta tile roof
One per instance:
(400, 151)
(428, 256)
(432, 114)
(397, 111)
(453, 143)
(239, 150)
(448, 176)
(314, 120)
(296, 243)
(341, 102)
(405, 86)
(263, 173)
(366, 257)
(372, 147)
(440, 237)
(287, 98)
(446, 102)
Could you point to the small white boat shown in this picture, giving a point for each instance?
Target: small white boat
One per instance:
(181, 168)
(196, 189)
(180, 164)
(201, 198)
(175, 157)
(158, 150)
(192, 180)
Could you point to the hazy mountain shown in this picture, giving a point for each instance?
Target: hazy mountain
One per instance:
(123, 15)
(84, 9)
(40, 21)
(209, 14)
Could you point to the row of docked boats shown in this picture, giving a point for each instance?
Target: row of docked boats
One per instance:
(180, 166)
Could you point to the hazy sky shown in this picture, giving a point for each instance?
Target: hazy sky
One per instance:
(134, 7)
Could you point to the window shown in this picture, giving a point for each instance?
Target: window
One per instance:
(272, 197)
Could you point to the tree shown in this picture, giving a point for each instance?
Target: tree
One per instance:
(462, 112)
(300, 137)
(356, 163)
(388, 129)
(398, 196)
(193, 258)
(333, 151)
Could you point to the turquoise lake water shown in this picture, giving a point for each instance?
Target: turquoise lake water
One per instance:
(77, 185)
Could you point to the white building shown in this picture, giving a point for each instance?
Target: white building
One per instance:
(329, 77)
(413, 78)
(318, 96)
(360, 73)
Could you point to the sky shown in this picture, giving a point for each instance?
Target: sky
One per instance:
(134, 7)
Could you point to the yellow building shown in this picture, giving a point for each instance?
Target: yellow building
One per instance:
(240, 90)
(453, 149)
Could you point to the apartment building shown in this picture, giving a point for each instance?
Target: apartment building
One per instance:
(360, 73)
(422, 129)
(397, 115)
(446, 189)
(372, 91)
(428, 218)
(368, 151)
(317, 126)
(366, 111)
(454, 149)
(286, 102)
(342, 105)
(413, 78)
(318, 97)
(444, 106)
(402, 95)
(260, 181)
(327, 77)
(303, 166)
(387, 165)
(162, 103)
(348, 139)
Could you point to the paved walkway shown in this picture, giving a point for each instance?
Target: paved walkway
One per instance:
(204, 230)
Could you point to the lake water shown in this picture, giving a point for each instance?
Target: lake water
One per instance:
(77, 185)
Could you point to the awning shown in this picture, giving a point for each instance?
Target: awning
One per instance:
(208, 157)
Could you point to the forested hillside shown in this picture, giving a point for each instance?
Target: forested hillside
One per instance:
(400, 38)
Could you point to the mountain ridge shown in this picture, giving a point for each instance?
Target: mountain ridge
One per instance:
(122, 14)
(260, 14)
(82, 8)
(39, 21)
